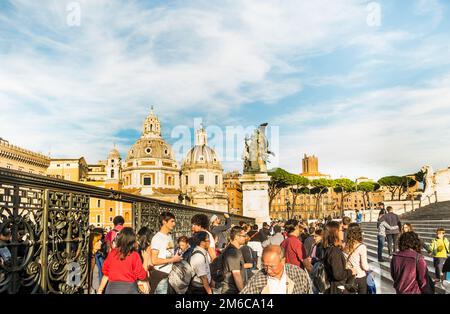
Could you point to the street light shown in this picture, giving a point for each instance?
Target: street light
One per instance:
(287, 207)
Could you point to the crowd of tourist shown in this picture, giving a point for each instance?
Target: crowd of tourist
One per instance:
(283, 257)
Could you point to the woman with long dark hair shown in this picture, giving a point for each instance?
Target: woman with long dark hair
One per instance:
(334, 259)
(356, 255)
(123, 266)
(408, 267)
(144, 239)
(97, 258)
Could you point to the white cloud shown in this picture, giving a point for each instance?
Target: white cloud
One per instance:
(384, 132)
(69, 89)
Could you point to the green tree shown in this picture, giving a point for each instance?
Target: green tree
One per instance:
(319, 188)
(366, 188)
(345, 187)
(298, 184)
(279, 179)
(393, 183)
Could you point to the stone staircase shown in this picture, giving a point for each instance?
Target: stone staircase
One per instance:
(426, 230)
(436, 211)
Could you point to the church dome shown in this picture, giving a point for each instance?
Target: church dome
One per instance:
(201, 155)
(114, 153)
(151, 148)
(151, 144)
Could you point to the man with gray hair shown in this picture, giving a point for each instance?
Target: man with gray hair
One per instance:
(277, 277)
(219, 230)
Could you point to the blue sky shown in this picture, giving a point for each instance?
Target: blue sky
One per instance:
(368, 100)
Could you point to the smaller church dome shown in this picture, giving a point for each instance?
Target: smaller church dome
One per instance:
(114, 153)
(201, 155)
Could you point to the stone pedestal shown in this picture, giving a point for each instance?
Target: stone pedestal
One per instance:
(255, 196)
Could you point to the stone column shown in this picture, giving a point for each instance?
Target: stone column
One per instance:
(255, 196)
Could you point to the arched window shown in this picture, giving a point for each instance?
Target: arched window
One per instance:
(201, 179)
(217, 180)
(187, 180)
(112, 173)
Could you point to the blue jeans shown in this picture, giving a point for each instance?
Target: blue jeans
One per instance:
(162, 287)
(380, 246)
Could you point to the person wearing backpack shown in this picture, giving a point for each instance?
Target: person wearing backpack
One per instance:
(409, 270)
(163, 255)
(201, 282)
(356, 255)
(334, 261)
(118, 222)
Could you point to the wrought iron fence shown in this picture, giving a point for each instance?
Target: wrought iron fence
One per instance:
(44, 230)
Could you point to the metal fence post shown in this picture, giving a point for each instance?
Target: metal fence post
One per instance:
(43, 241)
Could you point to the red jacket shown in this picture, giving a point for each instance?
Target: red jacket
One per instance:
(129, 270)
(408, 279)
(294, 250)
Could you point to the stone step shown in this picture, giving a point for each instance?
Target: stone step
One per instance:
(383, 281)
(427, 237)
(416, 228)
(373, 245)
(416, 222)
(432, 227)
(424, 232)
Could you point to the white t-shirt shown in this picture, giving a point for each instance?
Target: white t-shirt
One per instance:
(212, 243)
(277, 286)
(164, 244)
(200, 264)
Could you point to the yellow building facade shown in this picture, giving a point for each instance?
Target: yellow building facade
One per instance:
(17, 158)
(75, 170)
(233, 188)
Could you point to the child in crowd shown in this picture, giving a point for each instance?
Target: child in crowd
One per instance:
(439, 249)
(182, 246)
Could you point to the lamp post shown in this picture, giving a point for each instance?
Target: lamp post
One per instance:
(287, 207)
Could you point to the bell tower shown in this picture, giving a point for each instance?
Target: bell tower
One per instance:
(152, 126)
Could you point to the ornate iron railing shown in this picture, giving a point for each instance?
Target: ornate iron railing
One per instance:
(44, 228)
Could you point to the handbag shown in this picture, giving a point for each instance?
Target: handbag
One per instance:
(429, 286)
(350, 285)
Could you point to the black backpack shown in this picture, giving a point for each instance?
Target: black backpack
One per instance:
(216, 268)
(319, 276)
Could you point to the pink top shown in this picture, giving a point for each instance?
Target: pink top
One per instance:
(111, 235)
(358, 260)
